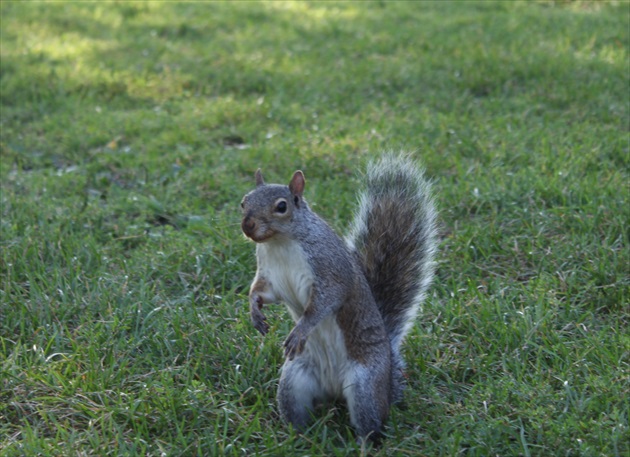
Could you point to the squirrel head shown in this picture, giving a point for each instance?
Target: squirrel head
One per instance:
(269, 209)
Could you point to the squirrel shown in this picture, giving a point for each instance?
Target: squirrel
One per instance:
(353, 300)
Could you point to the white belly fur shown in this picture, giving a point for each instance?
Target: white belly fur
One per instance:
(326, 349)
(284, 265)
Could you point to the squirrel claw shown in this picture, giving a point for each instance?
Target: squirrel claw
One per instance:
(294, 344)
(261, 326)
(258, 319)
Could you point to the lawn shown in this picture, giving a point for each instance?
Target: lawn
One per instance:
(130, 132)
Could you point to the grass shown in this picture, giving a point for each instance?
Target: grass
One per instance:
(130, 131)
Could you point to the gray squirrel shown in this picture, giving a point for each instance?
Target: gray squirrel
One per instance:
(353, 302)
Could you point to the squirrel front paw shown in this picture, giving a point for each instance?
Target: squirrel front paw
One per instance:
(258, 318)
(295, 342)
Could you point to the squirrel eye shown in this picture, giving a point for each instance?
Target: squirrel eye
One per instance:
(281, 207)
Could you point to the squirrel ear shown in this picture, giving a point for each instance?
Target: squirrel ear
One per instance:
(259, 178)
(296, 186)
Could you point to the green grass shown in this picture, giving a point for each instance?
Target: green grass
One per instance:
(130, 131)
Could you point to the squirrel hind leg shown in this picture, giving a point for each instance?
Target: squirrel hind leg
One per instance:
(299, 391)
(367, 398)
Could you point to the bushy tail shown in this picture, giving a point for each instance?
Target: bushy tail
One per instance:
(394, 235)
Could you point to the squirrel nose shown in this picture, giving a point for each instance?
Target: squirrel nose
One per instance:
(248, 226)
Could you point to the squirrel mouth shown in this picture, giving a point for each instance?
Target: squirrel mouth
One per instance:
(254, 235)
(259, 239)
